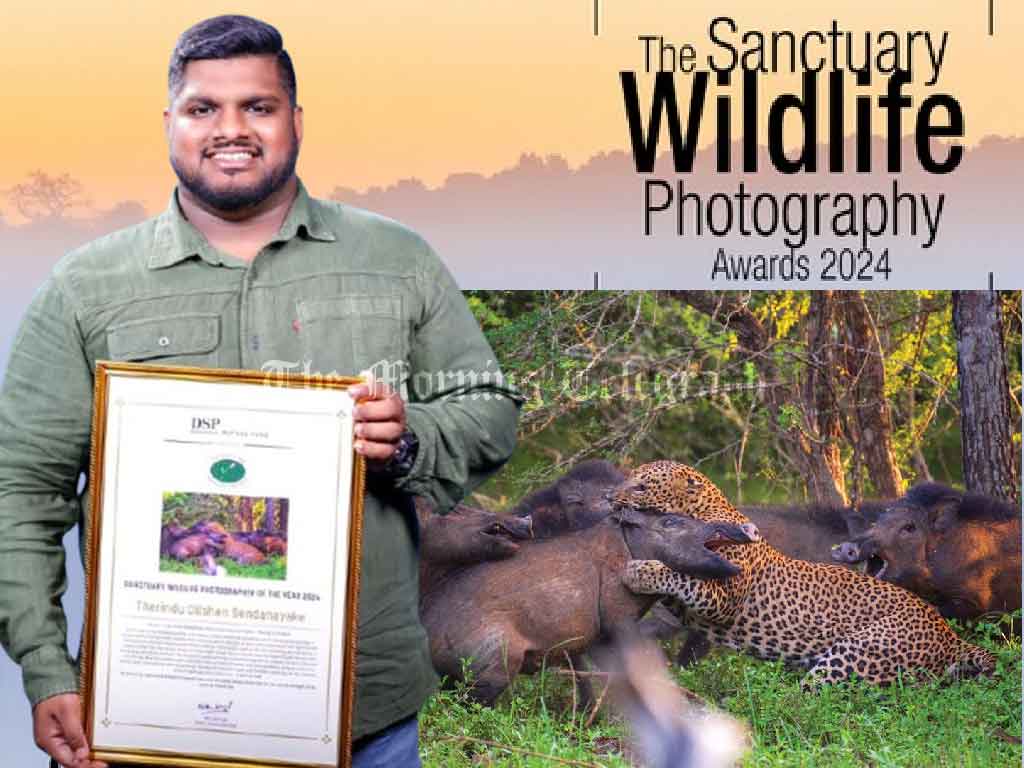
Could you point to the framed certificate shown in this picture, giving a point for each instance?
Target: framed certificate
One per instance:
(222, 568)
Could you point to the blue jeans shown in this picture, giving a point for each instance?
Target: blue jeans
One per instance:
(397, 746)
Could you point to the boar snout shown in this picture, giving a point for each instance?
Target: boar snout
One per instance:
(847, 552)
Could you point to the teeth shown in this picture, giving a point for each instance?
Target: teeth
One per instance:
(233, 155)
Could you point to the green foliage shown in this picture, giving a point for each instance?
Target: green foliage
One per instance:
(275, 567)
(638, 376)
(170, 565)
(924, 723)
(233, 512)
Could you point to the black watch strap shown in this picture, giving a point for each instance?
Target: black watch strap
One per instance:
(402, 460)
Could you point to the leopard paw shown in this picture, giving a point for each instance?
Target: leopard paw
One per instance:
(644, 577)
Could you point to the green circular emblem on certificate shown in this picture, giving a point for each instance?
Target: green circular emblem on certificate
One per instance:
(227, 470)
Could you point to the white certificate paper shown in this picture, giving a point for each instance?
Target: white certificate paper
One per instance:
(221, 572)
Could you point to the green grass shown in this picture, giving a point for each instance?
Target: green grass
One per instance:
(929, 723)
(275, 567)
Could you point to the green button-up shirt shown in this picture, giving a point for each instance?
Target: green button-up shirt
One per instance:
(337, 290)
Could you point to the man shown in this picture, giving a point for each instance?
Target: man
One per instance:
(245, 270)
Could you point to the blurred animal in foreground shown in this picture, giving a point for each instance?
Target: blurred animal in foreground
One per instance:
(209, 565)
(668, 730)
(830, 620)
(961, 552)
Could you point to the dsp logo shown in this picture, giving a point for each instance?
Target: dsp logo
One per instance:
(201, 424)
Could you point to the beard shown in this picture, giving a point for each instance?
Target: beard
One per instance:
(237, 199)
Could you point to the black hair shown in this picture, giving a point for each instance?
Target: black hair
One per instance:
(970, 506)
(225, 37)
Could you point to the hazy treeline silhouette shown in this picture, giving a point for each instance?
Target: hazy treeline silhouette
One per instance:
(544, 224)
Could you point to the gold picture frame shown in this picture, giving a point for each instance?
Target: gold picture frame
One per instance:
(160, 743)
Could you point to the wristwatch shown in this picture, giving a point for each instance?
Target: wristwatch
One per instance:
(402, 460)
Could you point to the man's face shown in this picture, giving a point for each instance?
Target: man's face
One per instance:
(233, 135)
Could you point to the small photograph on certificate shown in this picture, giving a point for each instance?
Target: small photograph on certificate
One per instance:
(219, 534)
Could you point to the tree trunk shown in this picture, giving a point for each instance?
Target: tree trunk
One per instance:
(268, 515)
(245, 513)
(820, 387)
(990, 461)
(793, 421)
(866, 369)
(282, 517)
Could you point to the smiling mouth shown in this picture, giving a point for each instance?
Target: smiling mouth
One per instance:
(233, 159)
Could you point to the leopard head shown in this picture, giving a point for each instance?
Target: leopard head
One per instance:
(671, 487)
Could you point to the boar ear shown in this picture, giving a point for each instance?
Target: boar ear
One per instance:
(943, 514)
(855, 521)
(628, 516)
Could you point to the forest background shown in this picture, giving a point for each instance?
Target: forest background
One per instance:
(821, 396)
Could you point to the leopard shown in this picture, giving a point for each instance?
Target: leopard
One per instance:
(832, 622)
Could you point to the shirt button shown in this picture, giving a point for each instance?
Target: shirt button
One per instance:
(163, 341)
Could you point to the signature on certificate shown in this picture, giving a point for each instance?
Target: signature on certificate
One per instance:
(208, 710)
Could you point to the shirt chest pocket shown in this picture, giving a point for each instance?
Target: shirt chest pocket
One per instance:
(349, 334)
(176, 340)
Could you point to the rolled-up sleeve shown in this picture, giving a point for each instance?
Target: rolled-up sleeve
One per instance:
(461, 408)
(45, 419)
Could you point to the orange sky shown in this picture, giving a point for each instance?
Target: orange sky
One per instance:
(401, 89)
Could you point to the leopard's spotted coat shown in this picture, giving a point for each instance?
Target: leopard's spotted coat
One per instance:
(830, 620)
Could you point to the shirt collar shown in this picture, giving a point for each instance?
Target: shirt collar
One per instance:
(176, 239)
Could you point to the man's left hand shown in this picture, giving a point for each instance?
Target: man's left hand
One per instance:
(379, 421)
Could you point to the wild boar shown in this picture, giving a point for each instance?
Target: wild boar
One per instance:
(811, 531)
(169, 533)
(464, 537)
(560, 595)
(266, 543)
(468, 535)
(193, 545)
(210, 527)
(242, 553)
(575, 501)
(959, 551)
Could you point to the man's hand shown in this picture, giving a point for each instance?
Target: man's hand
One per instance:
(57, 728)
(380, 421)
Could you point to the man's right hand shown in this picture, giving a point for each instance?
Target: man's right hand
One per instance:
(57, 728)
